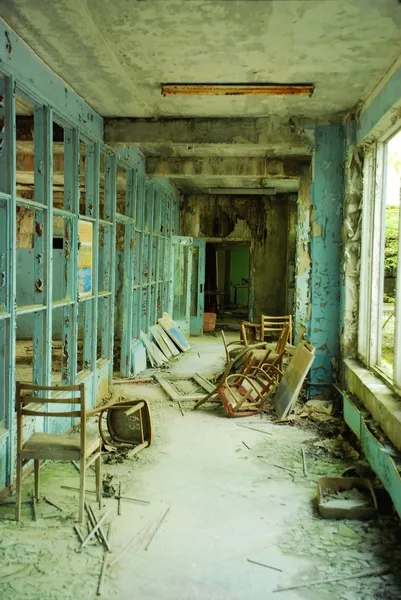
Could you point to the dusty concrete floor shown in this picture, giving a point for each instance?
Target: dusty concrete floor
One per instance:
(229, 500)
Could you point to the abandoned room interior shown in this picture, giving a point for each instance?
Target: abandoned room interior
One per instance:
(200, 330)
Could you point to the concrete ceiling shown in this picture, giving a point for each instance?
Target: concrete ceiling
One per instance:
(116, 54)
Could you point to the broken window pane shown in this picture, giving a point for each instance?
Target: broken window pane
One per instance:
(30, 255)
(62, 258)
(391, 198)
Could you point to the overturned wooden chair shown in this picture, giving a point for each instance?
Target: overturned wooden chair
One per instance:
(126, 424)
(245, 395)
(65, 447)
(243, 370)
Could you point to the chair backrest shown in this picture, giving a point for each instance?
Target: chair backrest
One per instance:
(225, 345)
(36, 395)
(283, 339)
(275, 325)
(249, 332)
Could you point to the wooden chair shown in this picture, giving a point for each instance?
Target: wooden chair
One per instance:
(274, 325)
(49, 446)
(250, 332)
(242, 371)
(246, 395)
(238, 345)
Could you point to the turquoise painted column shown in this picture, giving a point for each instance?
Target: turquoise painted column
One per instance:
(326, 227)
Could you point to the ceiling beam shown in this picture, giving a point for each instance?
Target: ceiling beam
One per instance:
(270, 132)
(233, 168)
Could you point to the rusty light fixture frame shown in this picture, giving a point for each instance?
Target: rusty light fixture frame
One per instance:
(237, 89)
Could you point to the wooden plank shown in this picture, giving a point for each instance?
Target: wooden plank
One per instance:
(174, 332)
(160, 341)
(167, 387)
(155, 355)
(204, 383)
(169, 342)
(174, 394)
(290, 386)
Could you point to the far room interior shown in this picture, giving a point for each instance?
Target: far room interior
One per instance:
(227, 276)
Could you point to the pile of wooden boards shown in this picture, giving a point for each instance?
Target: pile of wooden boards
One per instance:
(164, 342)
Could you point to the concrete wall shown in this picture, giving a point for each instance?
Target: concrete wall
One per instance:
(264, 223)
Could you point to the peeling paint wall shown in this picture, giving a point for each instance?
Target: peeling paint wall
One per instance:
(303, 261)
(326, 230)
(351, 238)
(264, 223)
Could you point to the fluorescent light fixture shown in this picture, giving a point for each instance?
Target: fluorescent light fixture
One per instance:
(238, 89)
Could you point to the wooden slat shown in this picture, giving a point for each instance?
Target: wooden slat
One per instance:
(203, 382)
(36, 400)
(167, 387)
(54, 388)
(134, 408)
(37, 413)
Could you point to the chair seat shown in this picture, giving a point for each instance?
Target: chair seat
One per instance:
(58, 447)
(259, 354)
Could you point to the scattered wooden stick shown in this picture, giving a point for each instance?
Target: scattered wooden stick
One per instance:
(136, 536)
(101, 531)
(181, 409)
(52, 503)
(369, 573)
(133, 499)
(104, 566)
(246, 445)
(79, 534)
(255, 562)
(277, 466)
(254, 429)
(94, 530)
(75, 489)
(92, 523)
(119, 499)
(122, 381)
(304, 462)
(156, 529)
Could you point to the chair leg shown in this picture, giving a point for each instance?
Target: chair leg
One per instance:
(98, 465)
(37, 477)
(18, 489)
(82, 476)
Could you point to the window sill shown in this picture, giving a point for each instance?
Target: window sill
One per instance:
(377, 397)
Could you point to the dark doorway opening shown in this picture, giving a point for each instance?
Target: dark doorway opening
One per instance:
(227, 282)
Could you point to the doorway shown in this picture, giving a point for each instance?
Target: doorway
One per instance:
(227, 282)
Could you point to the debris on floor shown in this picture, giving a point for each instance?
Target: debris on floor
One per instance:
(278, 466)
(346, 498)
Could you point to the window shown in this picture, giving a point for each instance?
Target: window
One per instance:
(380, 288)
